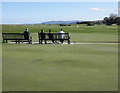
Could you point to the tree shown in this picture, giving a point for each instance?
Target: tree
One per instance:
(112, 15)
(105, 20)
(78, 23)
(117, 20)
(112, 19)
(90, 24)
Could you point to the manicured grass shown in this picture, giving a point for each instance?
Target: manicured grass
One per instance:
(51, 67)
(60, 67)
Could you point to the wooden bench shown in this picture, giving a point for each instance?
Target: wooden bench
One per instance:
(56, 37)
(17, 37)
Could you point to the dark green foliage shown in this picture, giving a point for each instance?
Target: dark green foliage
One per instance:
(65, 25)
(90, 24)
(112, 20)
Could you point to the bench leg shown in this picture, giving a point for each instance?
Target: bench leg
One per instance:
(30, 40)
(22, 41)
(3, 41)
(18, 41)
(39, 41)
(6, 41)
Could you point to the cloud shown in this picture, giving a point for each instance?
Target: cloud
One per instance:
(97, 9)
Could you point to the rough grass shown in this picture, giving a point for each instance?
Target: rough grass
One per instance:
(103, 29)
(82, 33)
(60, 67)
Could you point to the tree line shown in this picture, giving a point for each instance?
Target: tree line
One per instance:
(112, 19)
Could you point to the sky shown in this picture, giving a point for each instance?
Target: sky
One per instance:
(37, 12)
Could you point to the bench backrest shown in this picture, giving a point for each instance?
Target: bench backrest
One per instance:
(13, 36)
(55, 36)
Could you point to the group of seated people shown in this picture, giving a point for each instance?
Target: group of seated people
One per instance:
(43, 35)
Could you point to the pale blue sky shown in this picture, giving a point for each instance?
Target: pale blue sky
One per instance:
(36, 12)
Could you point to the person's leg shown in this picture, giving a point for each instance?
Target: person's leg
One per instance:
(53, 41)
(45, 41)
(30, 40)
(41, 41)
(61, 41)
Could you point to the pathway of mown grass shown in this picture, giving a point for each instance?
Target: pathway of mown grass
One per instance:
(60, 67)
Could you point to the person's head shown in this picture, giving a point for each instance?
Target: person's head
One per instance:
(50, 30)
(42, 30)
(60, 29)
(27, 29)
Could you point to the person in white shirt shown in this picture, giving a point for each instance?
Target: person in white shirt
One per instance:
(61, 35)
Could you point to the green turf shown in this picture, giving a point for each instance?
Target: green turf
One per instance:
(103, 29)
(82, 33)
(60, 67)
(86, 37)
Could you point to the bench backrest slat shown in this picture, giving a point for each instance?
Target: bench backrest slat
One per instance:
(13, 35)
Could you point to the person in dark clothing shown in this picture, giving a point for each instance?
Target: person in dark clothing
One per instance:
(50, 35)
(26, 34)
(43, 36)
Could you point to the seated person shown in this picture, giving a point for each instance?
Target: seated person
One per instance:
(43, 36)
(61, 36)
(50, 35)
(27, 35)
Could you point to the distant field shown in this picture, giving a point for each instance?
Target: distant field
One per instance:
(55, 28)
(62, 67)
(82, 33)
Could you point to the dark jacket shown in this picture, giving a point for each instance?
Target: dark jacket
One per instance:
(42, 36)
(26, 34)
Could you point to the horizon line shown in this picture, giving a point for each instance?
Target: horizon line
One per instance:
(43, 22)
